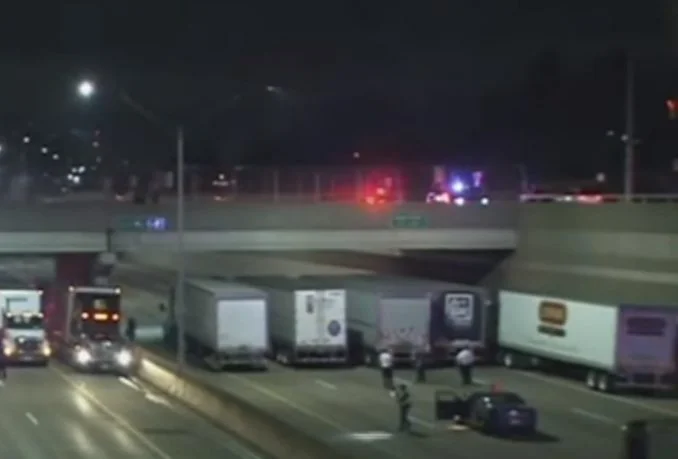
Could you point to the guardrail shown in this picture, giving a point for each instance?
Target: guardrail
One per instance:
(294, 198)
(598, 199)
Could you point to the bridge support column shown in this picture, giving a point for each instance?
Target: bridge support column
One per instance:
(75, 268)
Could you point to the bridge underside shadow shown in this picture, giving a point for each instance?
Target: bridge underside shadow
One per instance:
(467, 267)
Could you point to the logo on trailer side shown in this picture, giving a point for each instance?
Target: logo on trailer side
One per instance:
(459, 309)
(552, 318)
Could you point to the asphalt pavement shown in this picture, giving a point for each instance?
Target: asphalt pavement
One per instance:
(349, 409)
(57, 413)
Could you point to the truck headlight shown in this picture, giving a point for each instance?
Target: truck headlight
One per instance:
(9, 347)
(83, 356)
(124, 358)
(46, 349)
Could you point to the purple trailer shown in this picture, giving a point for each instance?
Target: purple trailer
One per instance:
(625, 346)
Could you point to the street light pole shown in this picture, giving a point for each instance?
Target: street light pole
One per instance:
(629, 147)
(179, 306)
(87, 89)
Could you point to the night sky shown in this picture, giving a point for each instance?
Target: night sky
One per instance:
(477, 82)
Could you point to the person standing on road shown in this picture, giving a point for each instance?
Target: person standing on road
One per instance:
(419, 355)
(404, 400)
(386, 367)
(3, 359)
(465, 361)
(131, 329)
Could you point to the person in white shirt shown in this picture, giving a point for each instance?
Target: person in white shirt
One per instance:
(386, 366)
(465, 360)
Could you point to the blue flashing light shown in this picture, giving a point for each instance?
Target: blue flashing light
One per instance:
(458, 186)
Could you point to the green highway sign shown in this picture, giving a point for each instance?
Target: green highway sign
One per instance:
(405, 221)
(144, 223)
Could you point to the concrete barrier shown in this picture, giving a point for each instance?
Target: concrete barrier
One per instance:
(272, 436)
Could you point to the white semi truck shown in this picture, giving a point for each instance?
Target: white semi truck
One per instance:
(307, 320)
(24, 326)
(613, 346)
(387, 314)
(226, 324)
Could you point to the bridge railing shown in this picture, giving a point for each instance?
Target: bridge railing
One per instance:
(293, 198)
(597, 199)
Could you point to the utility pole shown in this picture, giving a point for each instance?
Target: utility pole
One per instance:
(630, 142)
(180, 303)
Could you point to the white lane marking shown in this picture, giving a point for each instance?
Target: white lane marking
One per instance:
(421, 422)
(122, 422)
(594, 416)
(585, 390)
(32, 418)
(326, 384)
(129, 383)
(157, 399)
(300, 408)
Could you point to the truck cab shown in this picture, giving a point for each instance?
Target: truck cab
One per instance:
(25, 338)
(93, 340)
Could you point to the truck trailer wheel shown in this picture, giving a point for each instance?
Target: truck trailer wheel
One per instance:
(605, 383)
(592, 380)
(508, 360)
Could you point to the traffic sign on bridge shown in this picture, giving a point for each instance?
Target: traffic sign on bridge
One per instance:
(407, 221)
(142, 224)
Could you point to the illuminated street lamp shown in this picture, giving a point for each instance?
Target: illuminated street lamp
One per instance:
(27, 139)
(86, 90)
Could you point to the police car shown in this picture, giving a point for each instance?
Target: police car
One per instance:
(496, 412)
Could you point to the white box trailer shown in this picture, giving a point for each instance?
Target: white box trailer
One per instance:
(386, 312)
(616, 346)
(307, 320)
(226, 324)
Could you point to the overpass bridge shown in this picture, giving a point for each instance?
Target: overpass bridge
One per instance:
(87, 227)
(548, 239)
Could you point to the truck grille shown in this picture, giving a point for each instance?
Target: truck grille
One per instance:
(28, 345)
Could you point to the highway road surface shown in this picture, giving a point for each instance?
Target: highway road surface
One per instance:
(349, 409)
(55, 413)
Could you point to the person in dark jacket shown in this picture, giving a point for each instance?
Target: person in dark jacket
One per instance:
(131, 329)
(419, 357)
(3, 360)
(404, 399)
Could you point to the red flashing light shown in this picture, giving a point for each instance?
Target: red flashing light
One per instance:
(672, 107)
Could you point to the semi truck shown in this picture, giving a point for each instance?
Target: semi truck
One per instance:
(387, 315)
(89, 337)
(25, 338)
(443, 316)
(614, 347)
(461, 316)
(307, 320)
(226, 323)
